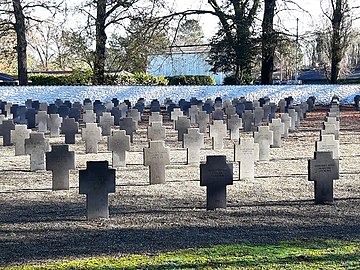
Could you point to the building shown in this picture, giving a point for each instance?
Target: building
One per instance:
(182, 60)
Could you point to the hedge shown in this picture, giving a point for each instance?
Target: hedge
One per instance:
(85, 78)
(191, 80)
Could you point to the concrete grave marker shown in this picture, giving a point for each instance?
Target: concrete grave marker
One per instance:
(193, 142)
(135, 115)
(18, 136)
(247, 120)
(203, 121)
(89, 116)
(218, 132)
(119, 144)
(36, 146)
(330, 129)
(155, 117)
(286, 119)
(328, 144)
(246, 153)
(60, 160)
(54, 123)
(31, 118)
(234, 124)
(70, 128)
(91, 134)
(97, 181)
(106, 122)
(156, 132)
(129, 125)
(182, 125)
(323, 169)
(278, 129)
(218, 113)
(193, 113)
(294, 119)
(258, 116)
(216, 174)
(264, 137)
(157, 156)
(5, 131)
(42, 119)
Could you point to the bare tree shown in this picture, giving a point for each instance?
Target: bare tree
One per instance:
(17, 15)
(340, 15)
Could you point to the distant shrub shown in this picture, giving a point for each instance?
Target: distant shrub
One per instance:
(75, 78)
(84, 78)
(191, 80)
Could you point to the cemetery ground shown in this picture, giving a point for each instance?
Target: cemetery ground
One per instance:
(269, 222)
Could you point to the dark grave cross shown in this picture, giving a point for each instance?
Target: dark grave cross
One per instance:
(97, 181)
(182, 125)
(60, 160)
(5, 131)
(21, 115)
(63, 111)
(69, 127)
(52, 109)
(247, 120)
(157, 156)
(323, 169)
(129, 125)
(116, 112)
(30, 116)
(216, 174)
(75, 113)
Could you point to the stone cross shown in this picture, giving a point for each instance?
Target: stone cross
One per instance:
(323, 169)
(193, 141)
(193, 113)
(333, 120)
(234, 124)
(91, 134)
(54, 123)
(217, 114)
(247, 120)
(97, 181)
(106, 121)
(5, 131)
(258, 116)
(182, 125)
(156, 132)
(216, 174)
(18, 136)
(156, 157)
(294, 119)
(42, 119)
(129, 125)
(89, 116)
(60, 160)
(119, 144)
(264, 137)
(286, 119)
(36, 146)
(330, 128)
(203, 121)
(218, 132)
(70, 128)
(175, 114)
(155, 117)
(246, 153)
(278, 128)
(328, 144)
(135, 115)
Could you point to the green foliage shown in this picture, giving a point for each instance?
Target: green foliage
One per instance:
(308, 254)
(191, 80)
(75, 78)
(84, 78)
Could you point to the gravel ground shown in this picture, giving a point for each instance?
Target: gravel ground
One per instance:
(38, 225)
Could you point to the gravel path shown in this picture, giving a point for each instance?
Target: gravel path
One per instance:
(38, 225)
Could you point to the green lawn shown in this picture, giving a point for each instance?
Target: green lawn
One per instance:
(309, 254)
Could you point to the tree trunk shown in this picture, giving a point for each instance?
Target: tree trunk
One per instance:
(99, 63)
(21, 43)
(336, 54)
(268, 43)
